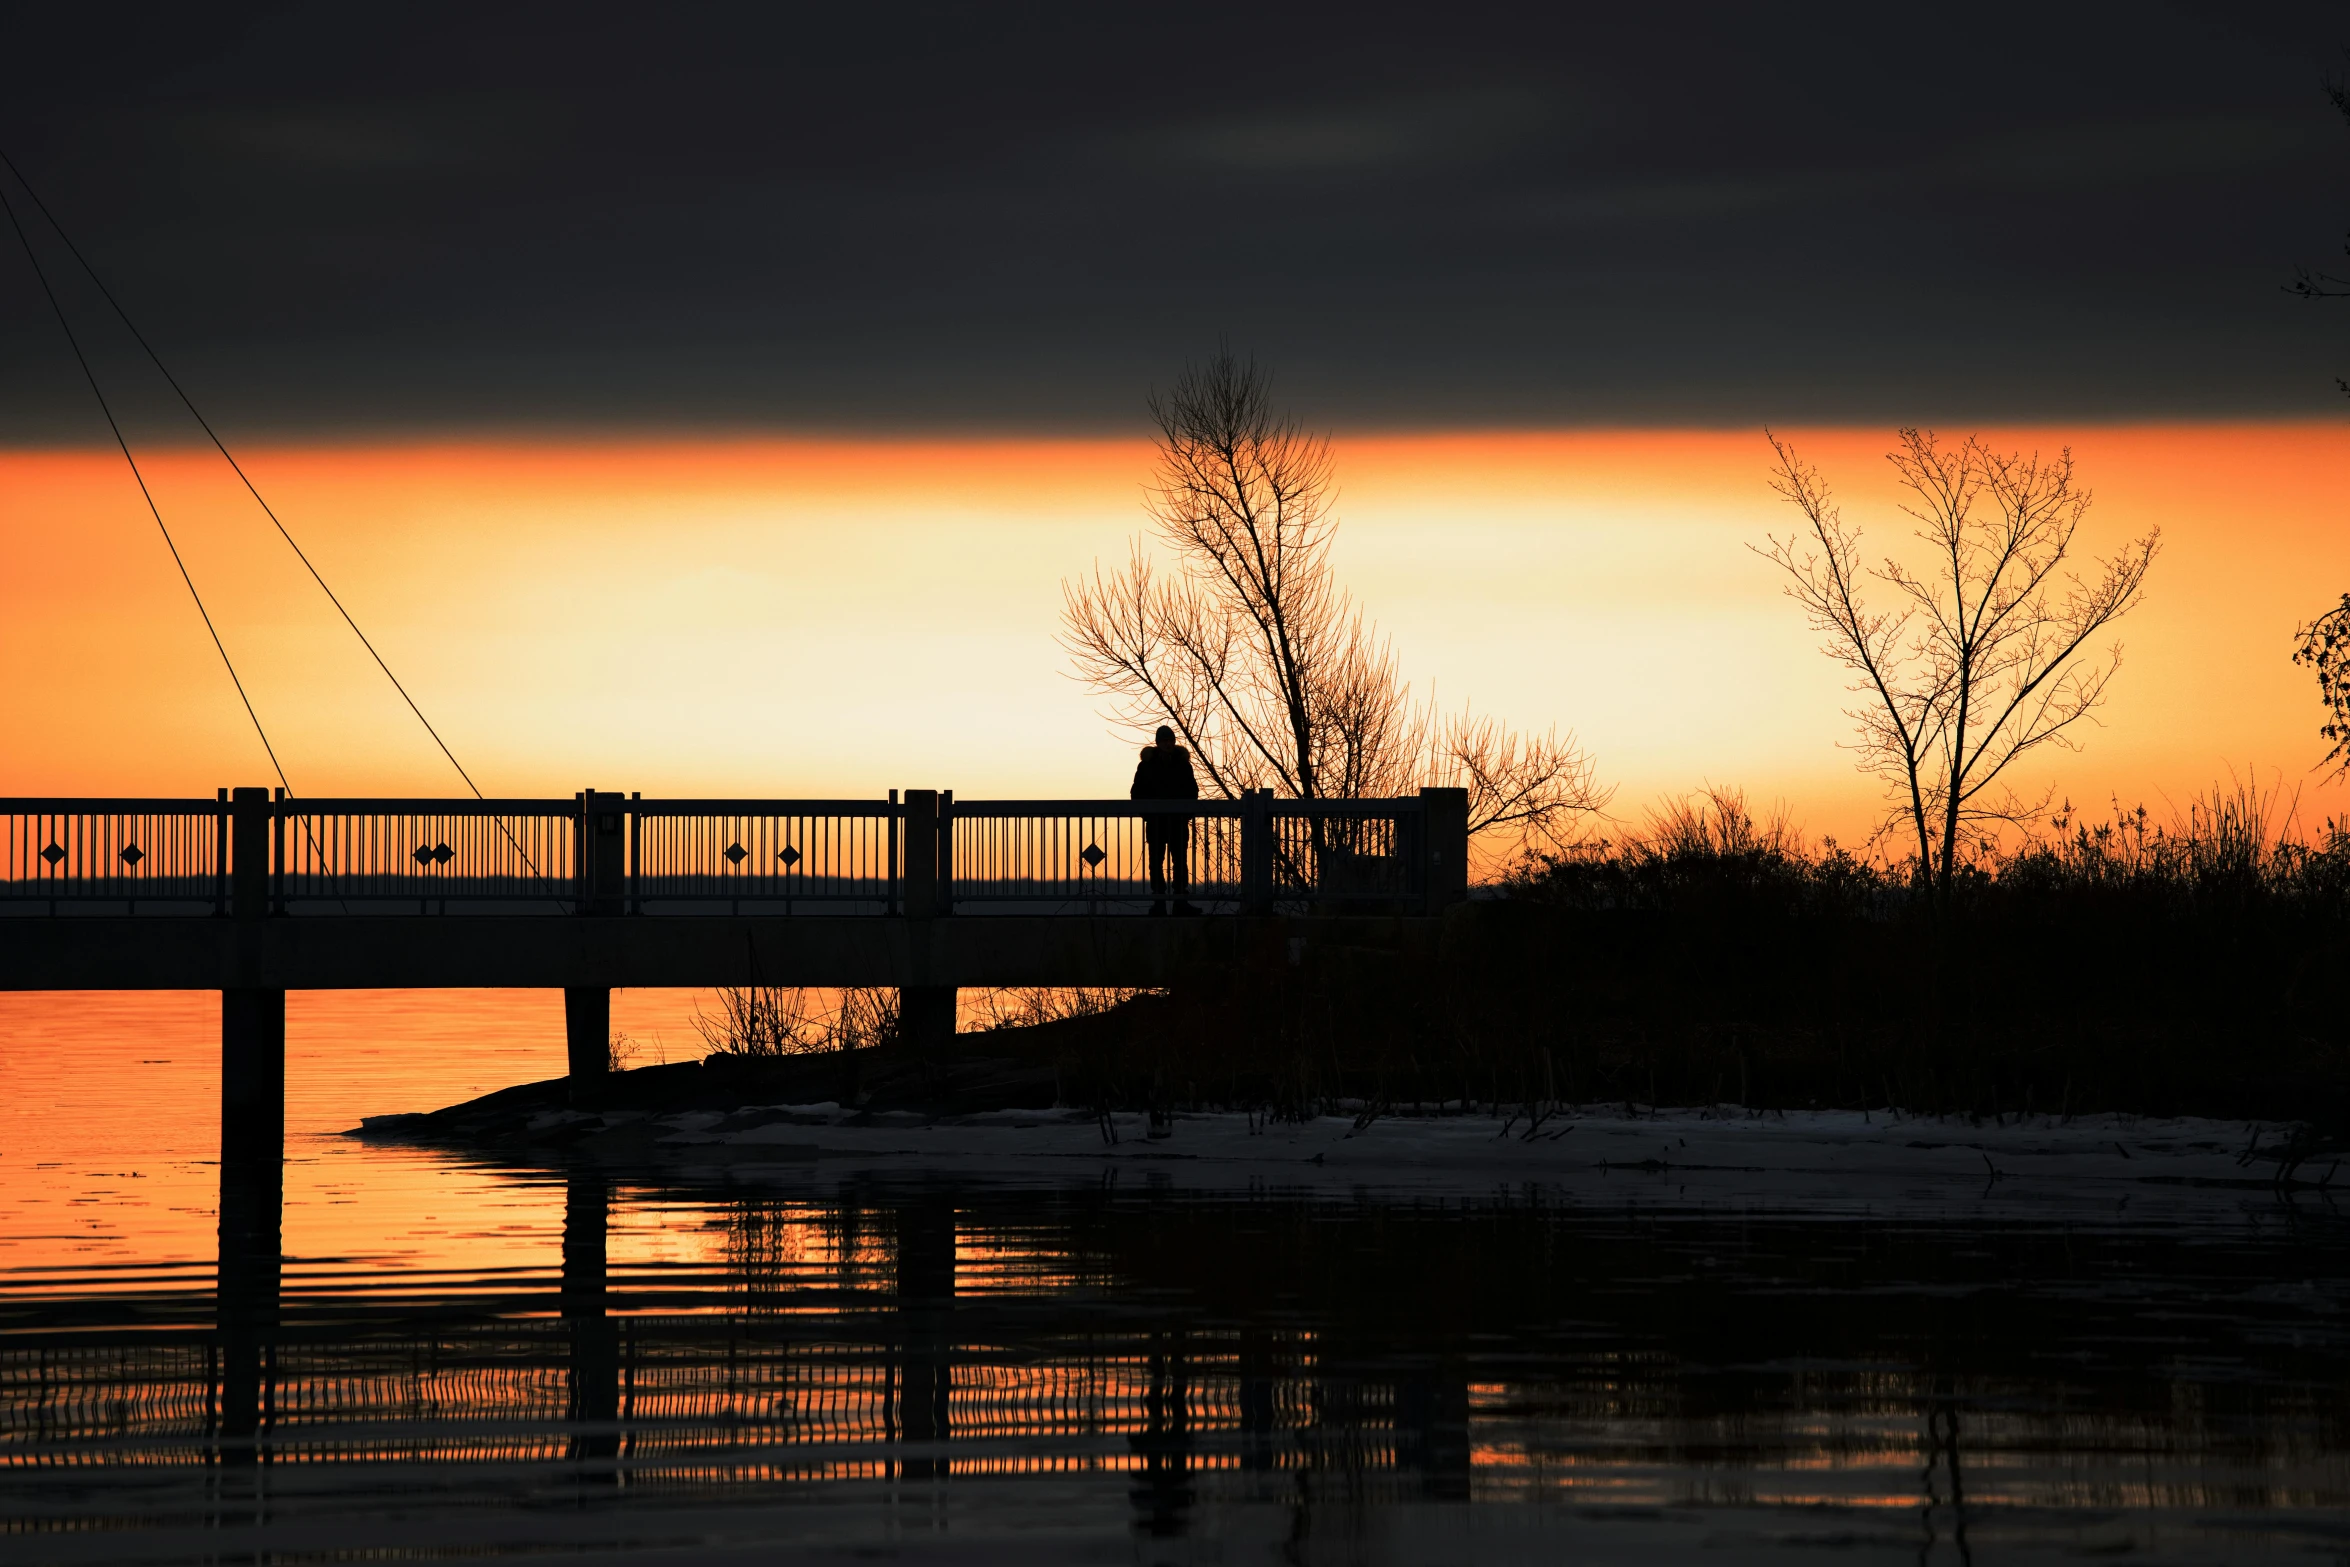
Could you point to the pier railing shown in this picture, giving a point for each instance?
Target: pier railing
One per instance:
(764, 856)
(135, 856)
(923, 854)
(422, 856)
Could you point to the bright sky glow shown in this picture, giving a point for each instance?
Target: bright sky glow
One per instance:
(795, 617)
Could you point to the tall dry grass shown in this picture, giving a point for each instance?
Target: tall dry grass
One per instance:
(791, 1020)
(1032, 1006)
(2235, 846)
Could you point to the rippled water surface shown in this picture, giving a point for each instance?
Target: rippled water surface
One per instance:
(439, 1357)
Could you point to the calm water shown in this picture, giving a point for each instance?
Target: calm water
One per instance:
(442, 1358)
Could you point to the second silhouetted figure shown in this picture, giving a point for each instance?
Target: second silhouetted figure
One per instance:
(1165, 774)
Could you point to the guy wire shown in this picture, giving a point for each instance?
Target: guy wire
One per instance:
(152, 509)
(222, 447)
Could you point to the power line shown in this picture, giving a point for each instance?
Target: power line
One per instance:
(148, 495)
(222, 447)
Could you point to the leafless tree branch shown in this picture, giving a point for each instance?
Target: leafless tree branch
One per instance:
(1246, 645)
(1984, 660)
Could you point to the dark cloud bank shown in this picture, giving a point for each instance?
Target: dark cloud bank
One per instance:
(345, 219)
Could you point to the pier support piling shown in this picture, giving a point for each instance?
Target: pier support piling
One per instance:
(252, 1077)
(587, 1034)
(601, 874)
(926, 1016)
(252, 1020)
(926, 1013)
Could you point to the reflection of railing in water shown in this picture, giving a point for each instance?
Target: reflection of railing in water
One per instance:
(690, 1389)
(923, 1336)
(913, 1340)
(856, 1342)
(715, 1401)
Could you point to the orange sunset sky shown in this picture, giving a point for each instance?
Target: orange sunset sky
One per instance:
(822, 617)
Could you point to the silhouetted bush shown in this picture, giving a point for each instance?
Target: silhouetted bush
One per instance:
(2187, 968)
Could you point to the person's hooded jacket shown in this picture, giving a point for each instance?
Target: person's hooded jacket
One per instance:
(1164, 773)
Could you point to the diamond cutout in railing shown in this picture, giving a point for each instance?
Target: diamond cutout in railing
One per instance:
(53, 854)
(1092, 855)
(442, 854)
(736, 854)
(790, 857)
(132, 854)
(423, 855)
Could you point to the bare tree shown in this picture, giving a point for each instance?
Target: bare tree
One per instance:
(1522, 788)
(2324, 644)
(1250, 650)
(1983, 657)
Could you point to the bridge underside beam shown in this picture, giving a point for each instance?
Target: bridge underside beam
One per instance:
(554, 952)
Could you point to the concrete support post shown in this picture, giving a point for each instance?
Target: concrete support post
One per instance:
(252, 1020)
(926, 1016)
(926, 1013)
(587, 1034)
(600, 876)
(921, 853)
(252, 1077)
(1444, 819)
(250, 819)
(603, 852)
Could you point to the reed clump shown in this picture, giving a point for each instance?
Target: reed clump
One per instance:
(789, 1020)
(1032, 1006)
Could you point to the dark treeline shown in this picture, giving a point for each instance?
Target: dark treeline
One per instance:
(2189, 968)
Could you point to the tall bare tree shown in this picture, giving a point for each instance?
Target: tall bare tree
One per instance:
(2324, 644)
(1983, 656)
(1242, 640)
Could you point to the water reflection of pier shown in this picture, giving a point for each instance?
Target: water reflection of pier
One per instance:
(914, 1335)
(866, 1363)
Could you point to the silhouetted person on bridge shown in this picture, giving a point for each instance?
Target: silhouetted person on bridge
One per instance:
(1165, 774)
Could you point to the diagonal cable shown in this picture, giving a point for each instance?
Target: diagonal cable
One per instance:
(146, 494)
(222, 447)
(229, 457)
(251, 489)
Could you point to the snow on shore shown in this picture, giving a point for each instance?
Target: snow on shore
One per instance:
(1822, 1161)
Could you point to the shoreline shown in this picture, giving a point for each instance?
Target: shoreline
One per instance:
(1818, 1162)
